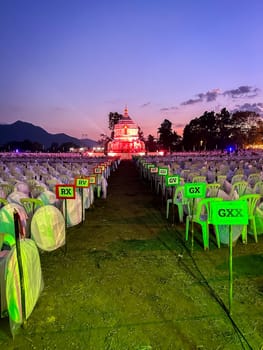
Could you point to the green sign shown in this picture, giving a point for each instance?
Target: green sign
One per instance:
(97, 170)
(65, 191)
(150, 166)
(195, 190)
(233, 212)
(172, 180)
(92, 179)
(154, 170)
(162, 171)
(81, 182)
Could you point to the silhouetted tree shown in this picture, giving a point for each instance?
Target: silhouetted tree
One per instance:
(151, 144)
(114, 118)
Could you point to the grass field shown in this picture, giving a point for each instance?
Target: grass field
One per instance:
(129, 281)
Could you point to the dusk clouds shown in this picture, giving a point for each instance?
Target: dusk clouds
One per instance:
(209, 96)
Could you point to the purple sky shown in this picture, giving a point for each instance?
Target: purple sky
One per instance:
(65, 64)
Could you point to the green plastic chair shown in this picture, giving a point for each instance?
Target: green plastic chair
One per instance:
(237, 178)
(221, 179)
(199, 178)
(252, 201)
(253, 179)
(179, 200)
(31, 204)
(7, 188)
(258, 187)
(3, 202)
(202, 216)
(212, 189)
(240, 187)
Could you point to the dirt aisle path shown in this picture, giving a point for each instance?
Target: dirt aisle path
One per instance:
(123, 284)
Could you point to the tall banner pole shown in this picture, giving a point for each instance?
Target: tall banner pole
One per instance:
(230, 269)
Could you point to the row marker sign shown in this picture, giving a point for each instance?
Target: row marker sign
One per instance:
(65, 191)
(82, 182)
(149, 166)
(154, 170)
(195, 190)
(162, 171)
(230, 212)
(92, 179)
(172, 180)
(97, 170)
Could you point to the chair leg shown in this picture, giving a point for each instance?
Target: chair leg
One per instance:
(186, 228)
(205, 234)
(255, 230)
(181, 212)
(167, 208)
(244, 234)
(216, 230)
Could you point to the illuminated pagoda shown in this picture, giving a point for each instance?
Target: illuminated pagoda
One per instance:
(126, 137)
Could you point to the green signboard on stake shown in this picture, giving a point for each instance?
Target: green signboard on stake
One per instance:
(81, 182)
(150, 166)
(154, 170)
(65, 191)
(230, 212)
(172, 180)
(195, 190)
(162, 171)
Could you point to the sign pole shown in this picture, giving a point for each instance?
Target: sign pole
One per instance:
(66, 214)
(230, 269)
(230, 213)
(192, 226)
(173, 203)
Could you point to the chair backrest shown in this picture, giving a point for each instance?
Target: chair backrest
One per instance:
(253, 179)
(179, 195)
(199, 178)
(212, 189)
(240, 187)
(252, 201)
(237, 178)
(220, 179)
(3, 202)
(7, 188)
(31, 204)
(258, 187)
(204, 207)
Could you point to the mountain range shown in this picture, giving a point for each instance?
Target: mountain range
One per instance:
(20, 131)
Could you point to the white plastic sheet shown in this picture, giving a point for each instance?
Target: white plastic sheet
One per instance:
(48, 228)
(33, 282)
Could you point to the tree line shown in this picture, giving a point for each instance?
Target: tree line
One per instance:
(210, 131)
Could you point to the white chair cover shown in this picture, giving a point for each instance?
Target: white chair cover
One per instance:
(48, 228)
(15, 197)
(7, 218)
(74, 216)
(33, 282)
(22, 187)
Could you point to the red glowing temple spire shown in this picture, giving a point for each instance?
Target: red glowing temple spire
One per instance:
(126, 114)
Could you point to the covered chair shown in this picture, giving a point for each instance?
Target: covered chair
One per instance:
(202, 216)
(32, 278)
(48, 228)
(7, 221)
(252, 201)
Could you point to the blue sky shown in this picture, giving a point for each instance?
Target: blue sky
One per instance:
(65, 64)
